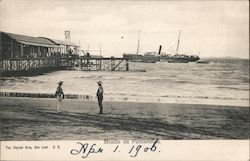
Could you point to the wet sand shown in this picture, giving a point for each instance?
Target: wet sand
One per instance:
(36, 119)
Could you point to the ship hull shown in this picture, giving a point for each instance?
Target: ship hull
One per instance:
(141, 58)
(179, 59)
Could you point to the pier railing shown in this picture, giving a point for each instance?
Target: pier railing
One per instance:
(20, 64)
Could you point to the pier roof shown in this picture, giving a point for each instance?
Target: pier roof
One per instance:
(29, 40)
(60, 42)
(65, 43)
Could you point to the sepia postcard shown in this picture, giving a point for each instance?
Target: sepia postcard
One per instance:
(124, 80)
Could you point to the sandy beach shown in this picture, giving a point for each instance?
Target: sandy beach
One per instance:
(36, 119)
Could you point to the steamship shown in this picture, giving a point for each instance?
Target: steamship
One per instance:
(179, 58)
(148, 57)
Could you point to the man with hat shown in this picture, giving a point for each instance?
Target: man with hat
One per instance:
(99, 95)
(59, 95)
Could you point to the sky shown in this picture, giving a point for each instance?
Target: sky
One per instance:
(211, 28)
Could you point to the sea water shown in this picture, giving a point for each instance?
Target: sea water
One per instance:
(221, 82)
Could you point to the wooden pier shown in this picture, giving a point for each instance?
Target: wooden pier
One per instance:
(27, 55)
(23, 66)
(102, 64)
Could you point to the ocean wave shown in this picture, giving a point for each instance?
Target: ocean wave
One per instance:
(174, 96)
(234, 88)
(204, 97)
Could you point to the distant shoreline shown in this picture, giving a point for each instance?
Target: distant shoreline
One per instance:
(225, 58)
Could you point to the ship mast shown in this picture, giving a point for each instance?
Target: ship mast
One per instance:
(178, 42)
(138, 45)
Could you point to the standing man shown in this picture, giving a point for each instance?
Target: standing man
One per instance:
(59, 95)
(99, 95)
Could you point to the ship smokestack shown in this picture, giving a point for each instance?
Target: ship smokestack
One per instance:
(159, 53)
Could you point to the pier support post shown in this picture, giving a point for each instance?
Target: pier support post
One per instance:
(12, 48)
(127, 65)
(21, 50)
(81, 64)
(100, 64)
(112, 63)
(10, 69)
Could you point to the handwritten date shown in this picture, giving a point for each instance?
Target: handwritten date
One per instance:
(85, 150)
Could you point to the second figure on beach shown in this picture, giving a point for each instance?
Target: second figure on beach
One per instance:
(99, 95)
(60, 96)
